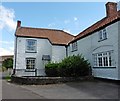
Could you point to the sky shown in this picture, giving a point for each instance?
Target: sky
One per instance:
(72, 17)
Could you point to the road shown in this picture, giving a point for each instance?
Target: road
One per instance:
(12, 91)
(82, 90)
(78, 90)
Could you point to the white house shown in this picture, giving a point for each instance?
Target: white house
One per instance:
(34, 47)
(100, 44)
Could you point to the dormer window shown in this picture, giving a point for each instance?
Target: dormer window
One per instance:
(102, 35)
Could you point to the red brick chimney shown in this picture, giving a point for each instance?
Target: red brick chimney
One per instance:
(18, 23)
(111, 9)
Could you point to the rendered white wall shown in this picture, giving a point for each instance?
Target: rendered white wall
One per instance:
(58, 53)
(89, 45)
(118, 5)
(119, 49)
(43, 48)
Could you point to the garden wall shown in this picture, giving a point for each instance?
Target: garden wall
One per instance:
(47, 80)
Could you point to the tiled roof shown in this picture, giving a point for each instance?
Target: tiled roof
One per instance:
(55, 36)
(100, 24)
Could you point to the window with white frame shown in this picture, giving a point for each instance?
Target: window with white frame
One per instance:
(30, 45)
(103, 59)
(30, 63)
(74, 46)
(102, 34)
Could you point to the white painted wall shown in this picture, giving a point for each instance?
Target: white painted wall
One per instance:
(58, 53)
(119, 50)
(118, 5)
(89, 45)
(43, 48)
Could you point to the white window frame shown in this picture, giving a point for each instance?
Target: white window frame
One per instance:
(74, 46)
(106, 57)
(103, 34)
(34, 46)
(32, 65)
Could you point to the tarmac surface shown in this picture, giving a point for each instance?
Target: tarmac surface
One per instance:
(76, 90)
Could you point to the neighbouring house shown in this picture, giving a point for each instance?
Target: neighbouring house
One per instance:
(100, 44)
(4, 57)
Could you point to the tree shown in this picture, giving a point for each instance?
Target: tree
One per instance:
(8, 63)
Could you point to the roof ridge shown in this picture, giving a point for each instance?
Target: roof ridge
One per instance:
(106, 20)
(49, 30)
(67, 33)
(91, 25)
(42, 28)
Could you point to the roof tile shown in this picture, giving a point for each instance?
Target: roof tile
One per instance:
(55, 36)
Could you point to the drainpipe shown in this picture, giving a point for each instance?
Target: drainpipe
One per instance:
(66, 50)
(15, 56)
(15, 53)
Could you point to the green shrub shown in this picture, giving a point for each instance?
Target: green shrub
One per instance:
(72, 66)
(8, 78)
(51, 69)
(8, 63)
(4, 69)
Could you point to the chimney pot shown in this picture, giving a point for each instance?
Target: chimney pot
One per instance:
(111, 9)
(18, 23)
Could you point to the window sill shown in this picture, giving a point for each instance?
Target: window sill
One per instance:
(30, 70)
(102, 40)
(74, 50)
(30, 52)
(104, 67)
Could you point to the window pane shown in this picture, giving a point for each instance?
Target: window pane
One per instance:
(104, 53)
(100, 35)
(100, 61)
(104, 34)
(30, 63)
(105, 60)
(100, 54)
(31, 45)
(111, 60)
(95, 60)
(74, 46)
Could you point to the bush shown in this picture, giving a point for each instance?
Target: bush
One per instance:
(72, 66)
(4, 69)
(8, 63)
(51, 69)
